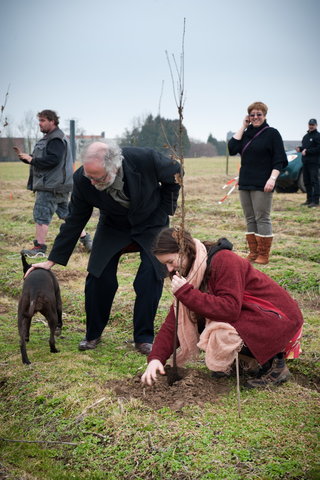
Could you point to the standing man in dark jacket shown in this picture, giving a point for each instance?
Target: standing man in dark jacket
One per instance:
(135, 190)
(310, 150)
(51, 171)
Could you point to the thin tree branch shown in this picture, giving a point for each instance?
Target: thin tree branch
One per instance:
(5, 122)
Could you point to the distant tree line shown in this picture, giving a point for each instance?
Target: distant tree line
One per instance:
(156, 132)
(162, 134)
(220, 145)
(153, 132)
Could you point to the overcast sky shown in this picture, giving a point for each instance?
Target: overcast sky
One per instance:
(103, 62)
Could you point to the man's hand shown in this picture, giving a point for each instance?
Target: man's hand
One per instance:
(150, 375)
(25, 157)
(46, 265)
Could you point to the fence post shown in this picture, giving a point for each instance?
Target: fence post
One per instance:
(73, 139)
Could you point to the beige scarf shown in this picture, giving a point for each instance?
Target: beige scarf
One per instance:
(219, 340)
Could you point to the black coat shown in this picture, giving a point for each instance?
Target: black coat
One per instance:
(265, 153)
(311, 142)
(150, 184)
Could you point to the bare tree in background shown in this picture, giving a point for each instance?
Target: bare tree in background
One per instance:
(3, 120)
(29, 129)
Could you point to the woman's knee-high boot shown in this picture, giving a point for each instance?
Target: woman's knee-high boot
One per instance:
(253, 246)
(264, 246)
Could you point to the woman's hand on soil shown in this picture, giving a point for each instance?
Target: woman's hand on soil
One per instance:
(150, 375)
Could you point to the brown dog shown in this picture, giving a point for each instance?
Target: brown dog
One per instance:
(40, 293)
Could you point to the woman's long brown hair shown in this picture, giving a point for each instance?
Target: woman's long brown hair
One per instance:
(167, 242)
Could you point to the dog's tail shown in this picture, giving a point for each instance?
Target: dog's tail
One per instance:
(25, 264)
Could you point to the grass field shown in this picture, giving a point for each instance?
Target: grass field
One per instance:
(84, 415)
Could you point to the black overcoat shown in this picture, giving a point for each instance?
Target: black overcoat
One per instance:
(149, 182)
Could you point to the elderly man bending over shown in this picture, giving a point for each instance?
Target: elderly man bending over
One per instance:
(135, 190)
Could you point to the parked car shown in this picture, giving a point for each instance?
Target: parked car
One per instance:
(290, 179)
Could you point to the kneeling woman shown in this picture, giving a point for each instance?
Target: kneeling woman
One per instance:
(224, 306)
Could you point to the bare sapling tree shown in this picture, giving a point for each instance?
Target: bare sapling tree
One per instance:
(177, 78)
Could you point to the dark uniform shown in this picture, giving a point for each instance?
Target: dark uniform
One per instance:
(311, 163)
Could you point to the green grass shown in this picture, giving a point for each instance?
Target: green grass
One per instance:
(95, 433)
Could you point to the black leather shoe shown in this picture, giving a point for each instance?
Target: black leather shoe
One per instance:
(89, 344)
(144, 348)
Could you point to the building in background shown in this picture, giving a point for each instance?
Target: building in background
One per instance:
(7, 154)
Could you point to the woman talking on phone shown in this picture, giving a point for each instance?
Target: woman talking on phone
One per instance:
(262, 158)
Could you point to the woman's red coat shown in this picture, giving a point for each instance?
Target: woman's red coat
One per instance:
(232, 283)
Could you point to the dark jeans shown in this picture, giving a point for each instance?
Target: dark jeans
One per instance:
(311, 182)
(100, 292)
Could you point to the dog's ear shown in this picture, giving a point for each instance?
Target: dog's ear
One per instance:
(25, 264)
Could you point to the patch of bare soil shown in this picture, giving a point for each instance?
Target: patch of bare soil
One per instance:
(66, 275)
(307, 382)
(195, 388)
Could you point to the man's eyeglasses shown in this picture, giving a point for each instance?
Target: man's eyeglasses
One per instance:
(252, 115)
(97, 180)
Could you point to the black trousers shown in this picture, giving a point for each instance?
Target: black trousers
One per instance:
(311, 182)
(100, 292)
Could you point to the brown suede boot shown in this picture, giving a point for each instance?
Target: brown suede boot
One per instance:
(253, 246)
(264, 245)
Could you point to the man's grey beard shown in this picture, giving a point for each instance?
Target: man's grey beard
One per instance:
(104, 185)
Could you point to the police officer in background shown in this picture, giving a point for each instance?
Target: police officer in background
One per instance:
(310, 150)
